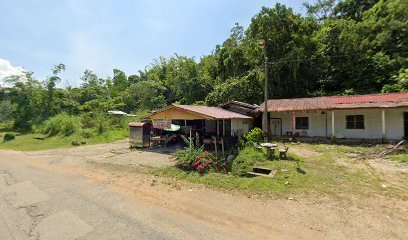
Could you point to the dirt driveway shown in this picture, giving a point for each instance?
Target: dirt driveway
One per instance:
(247, 215)
(116, 153)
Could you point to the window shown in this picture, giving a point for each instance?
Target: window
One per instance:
(355, 121)
(302, 123)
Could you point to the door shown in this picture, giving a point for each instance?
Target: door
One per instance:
(276, 126)
(406, 124)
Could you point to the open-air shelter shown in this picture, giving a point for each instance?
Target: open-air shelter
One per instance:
(213, 124)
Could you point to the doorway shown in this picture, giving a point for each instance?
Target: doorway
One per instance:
(406, 125)
(276, 126)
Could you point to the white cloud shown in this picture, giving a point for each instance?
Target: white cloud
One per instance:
(6, 70)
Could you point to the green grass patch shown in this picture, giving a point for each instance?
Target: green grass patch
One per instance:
(35, 142)
(402, 158)
(298, 175)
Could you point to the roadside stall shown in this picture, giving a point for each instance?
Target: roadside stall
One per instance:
(215, 126)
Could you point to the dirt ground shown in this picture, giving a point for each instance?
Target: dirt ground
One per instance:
(298, 217)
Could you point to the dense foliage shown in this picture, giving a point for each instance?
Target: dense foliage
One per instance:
(340, 47)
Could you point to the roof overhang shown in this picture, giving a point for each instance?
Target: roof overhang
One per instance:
(175, 112)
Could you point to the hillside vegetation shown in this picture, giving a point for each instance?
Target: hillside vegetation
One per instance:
(339, 47)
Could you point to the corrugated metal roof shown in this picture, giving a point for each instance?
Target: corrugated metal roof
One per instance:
(136, 124)
(114, 112)
(214, 112)
(370, 98)
(384, 100)
(204, 111)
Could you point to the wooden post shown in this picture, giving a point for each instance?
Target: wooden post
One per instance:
(333, 132)
(215, 144)
(222, 148)
(383, 124)
(293, 123)
(190, 140)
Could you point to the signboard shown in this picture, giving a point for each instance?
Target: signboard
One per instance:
(162, 124)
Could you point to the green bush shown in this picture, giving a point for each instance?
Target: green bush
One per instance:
(8, 137)
(87, 133)
(196, 159)
(87, 120)
(62, 123)
(102, 123)
(246, 160)
(254, 136)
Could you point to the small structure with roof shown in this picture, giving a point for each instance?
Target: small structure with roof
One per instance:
(139, 134)
(370, 116)
(203, 119)
(214, 125)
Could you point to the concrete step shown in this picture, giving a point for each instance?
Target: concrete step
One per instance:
(262, 172)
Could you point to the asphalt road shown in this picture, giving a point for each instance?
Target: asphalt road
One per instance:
(37, 203)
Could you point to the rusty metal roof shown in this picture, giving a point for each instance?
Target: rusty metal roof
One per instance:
(383, 100)
(214, 112)
(203, 111)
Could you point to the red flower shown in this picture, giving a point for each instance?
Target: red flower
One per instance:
(224, 164)
(216, 169)
(225, 170)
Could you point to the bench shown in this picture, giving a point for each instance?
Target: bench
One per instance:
(282, 152)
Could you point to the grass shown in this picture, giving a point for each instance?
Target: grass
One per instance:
(300, 175)
(65, 131)
(30, 142)
(313, 175)
(402, 158)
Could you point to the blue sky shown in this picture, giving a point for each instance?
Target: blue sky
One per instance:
(101, 35)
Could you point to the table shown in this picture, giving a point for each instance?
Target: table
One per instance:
(269, 147)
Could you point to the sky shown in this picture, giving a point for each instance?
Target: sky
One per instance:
(101, 35)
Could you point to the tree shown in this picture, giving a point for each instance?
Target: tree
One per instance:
(51, 82)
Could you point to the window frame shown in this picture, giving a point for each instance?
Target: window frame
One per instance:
(354, 123)
(299, 123)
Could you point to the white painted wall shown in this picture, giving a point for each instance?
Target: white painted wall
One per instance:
(240, 127)
(394, 124)
(317, 123)
(372, 120)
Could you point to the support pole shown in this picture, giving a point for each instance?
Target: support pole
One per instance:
(215, 145)
(265, 113)
(222, 148)
(333, 132)
(191, 140)
(384, 134)
(293, 123)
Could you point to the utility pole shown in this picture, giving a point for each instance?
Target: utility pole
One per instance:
(261, 44)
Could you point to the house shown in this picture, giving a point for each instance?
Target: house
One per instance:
(214, 121)
(372, 116)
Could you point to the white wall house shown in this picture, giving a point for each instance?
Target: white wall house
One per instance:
(375, 116)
